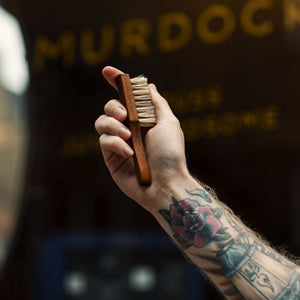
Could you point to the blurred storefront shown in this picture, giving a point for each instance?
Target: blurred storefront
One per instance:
(230, 71)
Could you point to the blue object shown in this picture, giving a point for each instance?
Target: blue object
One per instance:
(114, 266)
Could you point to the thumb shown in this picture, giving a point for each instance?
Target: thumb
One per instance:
(111, 74)
(162, 108)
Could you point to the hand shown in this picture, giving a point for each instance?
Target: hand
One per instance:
(164, 146)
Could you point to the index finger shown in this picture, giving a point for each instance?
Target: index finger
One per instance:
(111, 74)
(115, 109)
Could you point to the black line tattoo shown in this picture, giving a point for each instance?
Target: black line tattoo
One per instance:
(251, 266)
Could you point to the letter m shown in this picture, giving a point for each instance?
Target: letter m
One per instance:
(63, 48)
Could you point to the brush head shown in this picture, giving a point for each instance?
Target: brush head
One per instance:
(143, 102)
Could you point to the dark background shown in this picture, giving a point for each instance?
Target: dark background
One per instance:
(254, 169)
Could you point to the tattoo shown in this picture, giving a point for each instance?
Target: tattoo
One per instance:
(203, 194)
(292, 291)
(254, 274)
(193, 224)
(244, 264)
(247, 237)
(251, 266)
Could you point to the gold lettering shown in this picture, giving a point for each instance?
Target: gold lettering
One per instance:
(228, 124)
(134, 36)
(247, 18)
(271, 118)
(176, 101)
(91, 56)
(43, 48)
(211, 128)
(217, 11)
(214, 97)
(197, 99)
(169, 43)
(81, 145)
(249, 119)
(292, 14)
(192, 128)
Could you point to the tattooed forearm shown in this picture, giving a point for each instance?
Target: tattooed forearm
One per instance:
(194, 224)
(225, 249)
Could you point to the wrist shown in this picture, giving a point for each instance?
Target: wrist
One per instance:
(174, 187)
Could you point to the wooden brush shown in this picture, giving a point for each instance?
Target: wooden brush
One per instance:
(135, 96)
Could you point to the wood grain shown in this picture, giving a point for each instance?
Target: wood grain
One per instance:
(140, 159)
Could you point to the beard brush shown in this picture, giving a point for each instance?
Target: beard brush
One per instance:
(135, 96)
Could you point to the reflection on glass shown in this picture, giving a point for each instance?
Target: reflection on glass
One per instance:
(13, 83)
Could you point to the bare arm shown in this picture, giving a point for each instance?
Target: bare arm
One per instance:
(239, 262)
(234, 258)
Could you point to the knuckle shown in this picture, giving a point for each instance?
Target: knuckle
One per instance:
(107, 106)
(114, 142)
(111, 105)
(108, 141)
(101, 140)
(100, 122)
(97, 122)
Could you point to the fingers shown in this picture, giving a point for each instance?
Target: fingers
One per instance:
(111, 74)
(110, 123)
(113, 133)
(161, 105)
(111, 143)
(110, 126)
(162, 108)
(115, 109)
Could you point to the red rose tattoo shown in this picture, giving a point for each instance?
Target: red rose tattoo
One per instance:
(194, 224)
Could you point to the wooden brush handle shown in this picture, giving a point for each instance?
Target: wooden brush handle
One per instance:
(140, 160)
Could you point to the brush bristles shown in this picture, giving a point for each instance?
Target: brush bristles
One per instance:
(144, 107)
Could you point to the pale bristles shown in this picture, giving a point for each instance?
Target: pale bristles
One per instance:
(143, 103)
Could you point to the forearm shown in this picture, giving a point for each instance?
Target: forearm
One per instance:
(238, 261)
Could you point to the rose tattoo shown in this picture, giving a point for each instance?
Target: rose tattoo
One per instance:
(193, 224)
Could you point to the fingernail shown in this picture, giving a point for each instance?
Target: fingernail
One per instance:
(128, 152)
(124, 133)
(119, 113)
